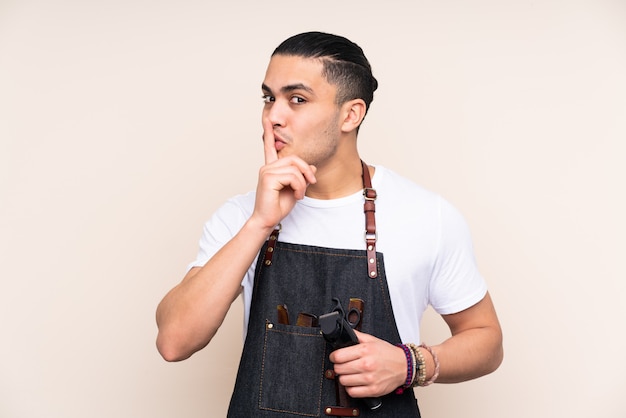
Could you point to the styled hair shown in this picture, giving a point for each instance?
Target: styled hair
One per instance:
(344, 63)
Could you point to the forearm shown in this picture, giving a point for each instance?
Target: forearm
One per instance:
(465, 356)
(475, 347)
(191, 313)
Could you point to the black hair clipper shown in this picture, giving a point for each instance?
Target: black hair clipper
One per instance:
(338, 332)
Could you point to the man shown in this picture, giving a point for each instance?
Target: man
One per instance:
(297, 251)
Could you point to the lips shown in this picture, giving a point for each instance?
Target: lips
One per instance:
(279, 143)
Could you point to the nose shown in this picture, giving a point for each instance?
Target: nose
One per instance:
(275, 112)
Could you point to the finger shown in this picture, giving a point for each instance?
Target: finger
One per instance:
(345, 355)
(310, 174)
(347, 369)
(290, 179)
(306, 171)
(363, 337)
(269, 143)
(359, 391)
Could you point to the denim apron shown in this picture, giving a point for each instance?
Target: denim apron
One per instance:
(285, 369)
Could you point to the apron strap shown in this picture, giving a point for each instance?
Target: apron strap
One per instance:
(369, 207)
(271, 245)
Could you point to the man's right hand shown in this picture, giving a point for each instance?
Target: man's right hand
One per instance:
(191, 313)
(282, 182)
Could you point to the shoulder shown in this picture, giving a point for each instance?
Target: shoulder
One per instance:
(385, 178)
(233, 213)
(395, 189)
(402, 200)
(243, 203)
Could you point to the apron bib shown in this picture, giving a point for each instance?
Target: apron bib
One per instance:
(285, 369)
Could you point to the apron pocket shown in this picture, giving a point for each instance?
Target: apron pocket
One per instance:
(292, 369)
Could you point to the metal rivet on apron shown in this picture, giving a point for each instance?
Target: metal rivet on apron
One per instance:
(329, 374)
(373, 274)
(270, 249)
(355, 412)
(328, 411)
(372, 261)
(270, 326)
(370, 248)
(268, 262)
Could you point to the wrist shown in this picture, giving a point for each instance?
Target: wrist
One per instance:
(258, 227)
(431, 364)
(409, 368)
(422, 366)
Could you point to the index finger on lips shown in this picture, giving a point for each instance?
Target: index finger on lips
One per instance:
(269, 142)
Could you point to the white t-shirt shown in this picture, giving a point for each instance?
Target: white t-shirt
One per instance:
(425, 242)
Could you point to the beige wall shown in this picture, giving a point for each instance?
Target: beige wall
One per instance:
(124, 124)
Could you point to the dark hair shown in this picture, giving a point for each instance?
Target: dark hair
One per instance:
(344, 63)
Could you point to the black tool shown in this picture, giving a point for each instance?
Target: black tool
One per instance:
(338, 332)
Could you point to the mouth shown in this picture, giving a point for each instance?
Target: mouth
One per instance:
(279, 143)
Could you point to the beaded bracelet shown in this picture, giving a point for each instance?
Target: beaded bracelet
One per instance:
(410, 369)
(417, 365)
(421, 365)
(415, 368)
(436, 360)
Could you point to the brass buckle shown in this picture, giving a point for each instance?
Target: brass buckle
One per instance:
(369, 237)
(366, 191)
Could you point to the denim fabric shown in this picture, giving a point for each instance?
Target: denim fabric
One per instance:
(281, 372)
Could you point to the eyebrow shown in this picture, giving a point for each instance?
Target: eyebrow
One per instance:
(289, 88)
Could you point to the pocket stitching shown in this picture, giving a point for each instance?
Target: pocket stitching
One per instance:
(301, 334)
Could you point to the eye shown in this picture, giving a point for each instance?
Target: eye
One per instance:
(297, 100)
(267, 98)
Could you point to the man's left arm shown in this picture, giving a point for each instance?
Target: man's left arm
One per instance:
(375, 367)
(475, 347)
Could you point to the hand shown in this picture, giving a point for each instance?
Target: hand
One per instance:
(282, 181)
(371, 368)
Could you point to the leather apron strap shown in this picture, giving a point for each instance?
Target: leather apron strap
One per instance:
(369, 207)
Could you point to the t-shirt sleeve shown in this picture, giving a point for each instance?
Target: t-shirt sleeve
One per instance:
(456, 282)
(218, 230)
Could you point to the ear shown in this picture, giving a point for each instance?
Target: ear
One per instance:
(353, 112)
